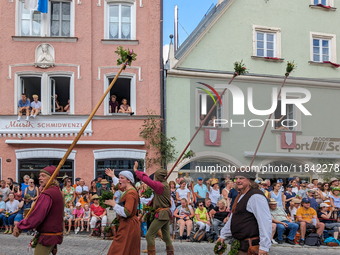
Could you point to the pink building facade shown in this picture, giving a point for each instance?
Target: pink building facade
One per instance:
(69, 52)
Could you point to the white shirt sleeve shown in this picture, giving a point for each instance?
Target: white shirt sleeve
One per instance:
(145, 201)
(258, 205)
(115, 180)
(120, 210)
(225, 231)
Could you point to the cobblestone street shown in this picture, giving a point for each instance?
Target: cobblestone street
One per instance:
(84, 245)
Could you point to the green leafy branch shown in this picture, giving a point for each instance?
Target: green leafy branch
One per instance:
(124, 55)
(240, 68)
(290, 67)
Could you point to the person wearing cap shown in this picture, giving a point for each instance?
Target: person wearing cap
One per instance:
(26, 204)
(213, 191)
(302, 193)
(128, 237)
(312, 200)
(325, 217)
(200, 190)
(289, 195)
(47, 216)
(78, 213)
(280, 181)
(307, 219)
(162, 204)
(282, 221)
(103, 187)
(293, 207)
(250, 218)
(335, 200)
(99, 179)
(63, 180)
(334, 182)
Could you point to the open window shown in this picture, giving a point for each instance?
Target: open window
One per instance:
(30, 86)
(124, 88)
(60, 94)
(289, 121)
(205, 102)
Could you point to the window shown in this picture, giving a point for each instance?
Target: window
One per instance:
(120, 20)
(118, 164)
(288, 121)
(60, 94)
(57, 22)
(266, 42)
(323, 2)
(323, 47)
(30, 86)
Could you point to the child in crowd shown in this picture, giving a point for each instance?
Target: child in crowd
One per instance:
(68, 216)
(85, 198)
(78, 216)
(86, 217)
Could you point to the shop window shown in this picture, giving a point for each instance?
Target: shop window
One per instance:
(122, 89)
(32, 168)
(118, 164)
(60, 94)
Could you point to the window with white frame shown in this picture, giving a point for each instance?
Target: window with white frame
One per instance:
(323, 47)
(120, 20)
(205, 103)
(323, 2)
(289, 121)
(57, 22)
(266, 42)
(60, 94)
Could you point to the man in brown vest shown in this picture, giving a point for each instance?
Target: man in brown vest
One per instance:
(47, 216)
(250, 219)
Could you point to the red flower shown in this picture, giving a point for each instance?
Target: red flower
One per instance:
(244, 68)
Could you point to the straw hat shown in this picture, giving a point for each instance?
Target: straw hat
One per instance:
(296, 201)
(333, 179)
(94, 197)
(214, 181)
(104, 182)
(272, 201)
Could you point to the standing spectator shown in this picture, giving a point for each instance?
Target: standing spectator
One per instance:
(17, 193)
(36, 106)
(177, 183)
(182, 192)
(26, 204)
(200, 190)
(297, 179)
(11, 209)
(278, 195)
(307, 219)
(172, 186)
(335, 200)
(32, 190)
(264, 189)
(184, 213)
(10, 184)
(223, 183)
(289, 194)
(86, 218)
(293, 207)
(208, 205)
(269, 187)
(219, 215)
(295, 187)
(282, 221)
(76, 183)
(315, 182)
(114, 105)
(232, 195)
(213, 191)
(25, 184)
(280, 182)
(93, 189)
(302, 193)
(103, 187)
(81, 188)
(325, 193)
(58, 107)
(99, 179)
(202, 217)
(63, 182)
(68, 192)
(312, 200)
(24, 106)
(226, 190)
(4, 191)
(68, 216)
(98, 213)
(325, 217)
(78, 213)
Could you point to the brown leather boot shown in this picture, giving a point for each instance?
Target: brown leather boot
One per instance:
(151, 249)
(170, 250)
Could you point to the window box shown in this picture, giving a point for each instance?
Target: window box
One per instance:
(327, 5)
(266, 42)
(268, 59)
(326, 63)
(322, 8)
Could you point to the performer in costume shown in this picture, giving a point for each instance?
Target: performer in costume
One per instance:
(162, 204)
(250, 218)
(47, 216)
(127, 239)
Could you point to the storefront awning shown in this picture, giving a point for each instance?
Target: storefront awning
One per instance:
(250, 154)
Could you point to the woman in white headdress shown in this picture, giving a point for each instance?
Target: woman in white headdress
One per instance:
(127, 239)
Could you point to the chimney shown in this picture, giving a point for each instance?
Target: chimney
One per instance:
(176, 28)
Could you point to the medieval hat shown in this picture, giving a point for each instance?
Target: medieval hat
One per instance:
(49, 170)
(161, 174)
(246, 173)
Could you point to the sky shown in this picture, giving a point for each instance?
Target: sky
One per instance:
(190, 13)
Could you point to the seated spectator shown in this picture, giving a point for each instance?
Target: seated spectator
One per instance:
(2, 209)
(104, 187)
(24, 106)
(213, 191)
(282, 221)
(32, 190)
(68, 216)
(325, 192)
(125, 108)
(4, 191)
(17, 193)
(26, 204)
(184, 213)
(219, 215)
(67, 107)
(307, 219)
(114, 105)
(36, 106)
(208, 205)
(58, 107)
(76, 183)
(289, 194)
(85, 198)
(335, 200)
(81, 188)
(325, 217)
(311, 198)
(86, 218)
(99, 179)
(11, 211)
(98, 214)
(202, 217)
(78, 214)
(293, 207)
(69, 193)
(93, 189)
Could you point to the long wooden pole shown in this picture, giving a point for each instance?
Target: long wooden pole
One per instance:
(62, 161)
(202, 123)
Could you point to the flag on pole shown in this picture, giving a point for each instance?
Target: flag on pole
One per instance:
(40, 5)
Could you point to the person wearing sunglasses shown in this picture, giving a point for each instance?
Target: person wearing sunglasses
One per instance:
(98, 213)
(327, 218)
(32, 190)
(202, 217)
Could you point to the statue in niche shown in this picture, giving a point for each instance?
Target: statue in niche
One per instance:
(44, 56)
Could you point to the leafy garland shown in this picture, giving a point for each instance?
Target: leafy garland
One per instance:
(150, 215)
(34, 241)
(235, 246)
(115, 222)
(147, 193)
(220, 248)
(240, 68)
(106, 196)
(189, 154)
(290, 67)
(124, 55)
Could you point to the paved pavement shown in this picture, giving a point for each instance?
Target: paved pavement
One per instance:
(84, 245)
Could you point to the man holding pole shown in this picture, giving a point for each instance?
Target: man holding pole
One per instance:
(47, 216)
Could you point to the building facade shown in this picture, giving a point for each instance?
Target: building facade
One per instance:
(67, 58)
(302, 140)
